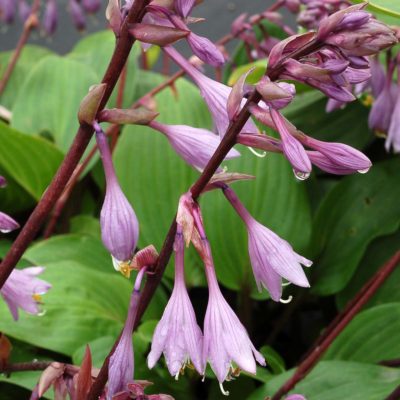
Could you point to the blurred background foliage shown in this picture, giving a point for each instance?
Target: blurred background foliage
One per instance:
(349, 226)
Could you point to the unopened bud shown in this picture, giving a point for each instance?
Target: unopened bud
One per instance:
(157, 34)
(90, 104)
(138, 116)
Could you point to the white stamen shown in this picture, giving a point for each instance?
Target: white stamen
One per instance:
(286, 284)
(177, 376)
(223, 391)
(204, 378)
(261, 155)
(287, 301)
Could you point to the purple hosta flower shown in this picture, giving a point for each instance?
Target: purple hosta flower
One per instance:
(184, 7)
(7, 10)
(276, 95)
(393, 137)
(91, 6)
(292, 148)
(23, 290)
(292, 5)
(378, 77)
(7, 224)
(24, 10)
(295, 397)
(225, 338)
(201, 46)
(214, 93)
(356, 32)
(272, 257)
(77, 15)
(50, 17)
(344, 156)
(195, 145)
(178, 335)
(119, 225)
(327, 165)
(121, 365)
(382, 109)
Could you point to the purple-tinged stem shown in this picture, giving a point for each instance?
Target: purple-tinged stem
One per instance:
(85, 132)
(338, 325)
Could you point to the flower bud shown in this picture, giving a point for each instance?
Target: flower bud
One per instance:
(137, 116)
(157, 34)
(114, 16)
(77, 15)
(50, 17)
(91, 103)
(91, 6)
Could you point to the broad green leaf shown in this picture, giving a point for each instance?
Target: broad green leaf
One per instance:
(333, 380)
(95, 51)
(349, 125)
(153, 178)
(30, 161)
(30, 55)
(371, 337)
(359, 209)
(78, 248)
(386, 7)
(49, 99)
(378, 253)
(85, 224)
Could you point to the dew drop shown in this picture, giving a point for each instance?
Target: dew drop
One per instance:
(5, 230)
(301, 176)
(363, 171)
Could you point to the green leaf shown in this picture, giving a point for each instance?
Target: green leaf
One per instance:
(78, 248)
(29, 160)
(359, 209)
(275, 197)
(49, 99)
(30, 55)
(85, 224)
(333, 380)
(258, 72)
(371, 337)
(95, 51)
(379, 252)
(386, 7)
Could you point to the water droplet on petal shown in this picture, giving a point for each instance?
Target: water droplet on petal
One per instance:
(301, 176)
(363, 171)
(5, 230)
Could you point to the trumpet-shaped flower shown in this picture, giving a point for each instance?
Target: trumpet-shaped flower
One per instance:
(194, 145)
(215, 94)
(23, 290)
(225, 338)
(393, 137)
(119, 225)
(272, 257)
(178, 335)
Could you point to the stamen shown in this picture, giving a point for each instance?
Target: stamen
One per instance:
(223, 391)
(286, 284)
(125, 269)
(287, 301)
(37, 297)
(177, 376)
(257, 154)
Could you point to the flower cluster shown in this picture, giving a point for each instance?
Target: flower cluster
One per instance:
(78, 10)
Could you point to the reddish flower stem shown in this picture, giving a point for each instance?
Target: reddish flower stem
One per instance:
(338, 325)
(85, 132)
(31, 23)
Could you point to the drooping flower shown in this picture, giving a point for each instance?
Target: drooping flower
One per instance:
(119, 225)
(184, 7)
(344, 156)
(393, 136)
(214, 93)
(77, 15)
(121, 365)
(225, 338)
(382, 110)
(50, 17)
(194, 145)
(23, 290)
(91, 6)
(178, 335)
(24, 10)
(7, 224)
(272, 257)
